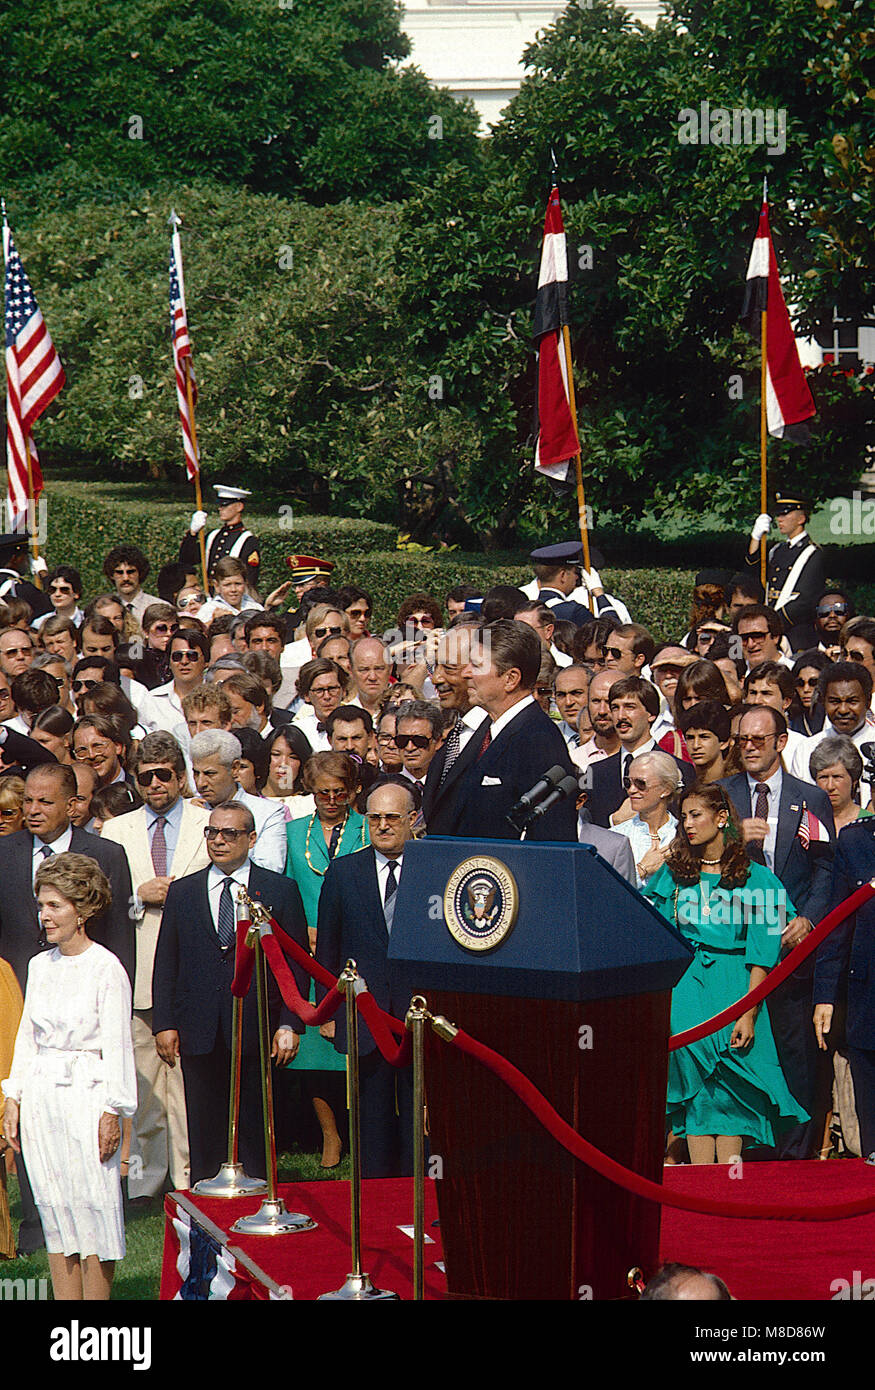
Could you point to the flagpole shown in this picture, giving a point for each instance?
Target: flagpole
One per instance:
(189, 396)
(764, 429)
(578, 470)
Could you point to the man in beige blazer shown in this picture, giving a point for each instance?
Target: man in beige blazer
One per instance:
(164, 840)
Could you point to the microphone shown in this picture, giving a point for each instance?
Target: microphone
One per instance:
(545, 784)
(567, 787)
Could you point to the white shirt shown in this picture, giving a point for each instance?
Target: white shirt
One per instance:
(59, 846)
(471, 722)
(383, 878)
(588, 753)
(307, 721)
(637, 832)
(215, 882)
(865, 734)
(774, 784)
(76, 617)
(561, 658)
(503, 720)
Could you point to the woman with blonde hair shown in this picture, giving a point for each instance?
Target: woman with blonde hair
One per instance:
(72, 1079)
(11, 804)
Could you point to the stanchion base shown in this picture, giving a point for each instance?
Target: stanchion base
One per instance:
(357, 1288)
(273, 1219)
(230, 1181)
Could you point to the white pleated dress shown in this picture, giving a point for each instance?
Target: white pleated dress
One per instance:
(73, 1062)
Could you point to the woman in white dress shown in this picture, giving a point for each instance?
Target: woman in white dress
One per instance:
(72, 1080)
(653, 781)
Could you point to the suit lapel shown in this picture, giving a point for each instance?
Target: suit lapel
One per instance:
(366, 868)
(467, 756)
(191, 839)
(24, 866)
(789, 816)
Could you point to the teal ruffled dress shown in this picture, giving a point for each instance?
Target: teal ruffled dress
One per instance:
(306, 863)
(712, 1088)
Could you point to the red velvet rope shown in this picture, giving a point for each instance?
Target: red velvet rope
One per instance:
(779, 974)
(325, 977)
(376, 1020)
(623, 1177)
(312, 1015)
(244, 960)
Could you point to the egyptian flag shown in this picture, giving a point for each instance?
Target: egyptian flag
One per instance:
(788, 399)
(556, 438)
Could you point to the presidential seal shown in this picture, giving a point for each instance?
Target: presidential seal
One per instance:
(480, 903)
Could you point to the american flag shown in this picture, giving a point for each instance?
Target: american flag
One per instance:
(810, 828)
(182, 360)
(34, 376)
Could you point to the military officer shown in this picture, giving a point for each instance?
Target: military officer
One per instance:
(230, 538)
(308, 572)
(13, 560)
(795, 576)
(562, 583)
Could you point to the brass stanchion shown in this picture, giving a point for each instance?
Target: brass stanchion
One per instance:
(273, 1217)
(415, 1021)
(357, 1286)
(231, 1179)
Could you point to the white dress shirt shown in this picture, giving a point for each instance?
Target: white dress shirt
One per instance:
(503, 720)
(215, 882)
(59, 846)
(383, 862)
(774, 784)
(471, 722)
(637, 832)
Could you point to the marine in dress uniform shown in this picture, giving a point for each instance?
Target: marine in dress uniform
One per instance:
(13, 557)
(560, 584)
(795, 576)
(231, 538)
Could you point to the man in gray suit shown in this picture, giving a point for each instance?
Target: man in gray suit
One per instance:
(614, 849)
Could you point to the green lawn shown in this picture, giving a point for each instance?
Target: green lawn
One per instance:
(137, 1276)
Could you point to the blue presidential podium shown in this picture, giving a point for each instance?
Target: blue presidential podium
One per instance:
(543, 952)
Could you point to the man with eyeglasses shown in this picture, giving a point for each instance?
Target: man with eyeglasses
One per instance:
(215, 757)
(787, 824)
(188, 653)
(191, 988)
(163, 841)
(16, 652)
(418, 731)
(831, 614)
(629, 650)
(758, 630)
(794, 569)
(48, 804)
(356, 917)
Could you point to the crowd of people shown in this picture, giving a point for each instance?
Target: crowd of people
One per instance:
(160, 751)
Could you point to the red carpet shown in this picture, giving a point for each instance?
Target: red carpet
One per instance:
(757, 1259)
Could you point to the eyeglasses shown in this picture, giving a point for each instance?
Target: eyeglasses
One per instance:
(185, 656)
(333, 795)
(838, 608)
(666, 670)
(377, 817)
(359, 612)
(10, 813)
(328, 632)
(194, 601)
(615, 652)
(403, 741)
(754, 740)
(806, 681)
(215, 832)
(164, 627)
(755, 635)
(639, 783)
(83, 685)
(164, 774)
(543, 690)
(325, 689)
(63, 589)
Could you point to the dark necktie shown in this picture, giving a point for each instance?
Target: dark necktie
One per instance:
(454, 739)
(389, 895)
(159, 847)
(756, 850)
(226, 916)
(627, 763)
(487, 739)
(46, 851)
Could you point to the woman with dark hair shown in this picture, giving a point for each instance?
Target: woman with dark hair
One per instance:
(701, 681)
(419, 612)
(254, 761)
(806, 714)
(322, 685)
(108, 699)
(288, 750)
(727, 1087)
(335, 828)
(52, 729)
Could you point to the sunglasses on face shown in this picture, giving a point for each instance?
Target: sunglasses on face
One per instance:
(195, 600)
(377, 817)
(164, 774)
(184, 656)
(403, 741)
(543, 690)
(838, 608)
(328, 632)
(213, 832)
(60, 589)
(615, 653)
(639, 783)
(667, 670)
(85, 685)
(754, 740)
(759, 634)
(333, 795)
(359, 612)
(807, 681)
(164, 627)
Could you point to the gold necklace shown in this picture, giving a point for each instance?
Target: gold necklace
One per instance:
(321, 872)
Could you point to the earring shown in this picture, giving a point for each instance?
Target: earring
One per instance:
(80, 921)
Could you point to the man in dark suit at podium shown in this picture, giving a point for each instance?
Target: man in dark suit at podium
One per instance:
(462, 743)
(518, 743)
(356, 912)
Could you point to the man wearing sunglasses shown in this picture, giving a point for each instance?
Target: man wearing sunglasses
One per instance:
(188, 653)
(794, 570)
(191, 988)
(163, 841)
(832, 612)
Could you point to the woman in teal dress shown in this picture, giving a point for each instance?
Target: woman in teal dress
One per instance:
(728, 1087)
(333, 829)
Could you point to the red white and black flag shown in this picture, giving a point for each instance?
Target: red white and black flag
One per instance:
(788, 400)
(556, 437)
(34, 376)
